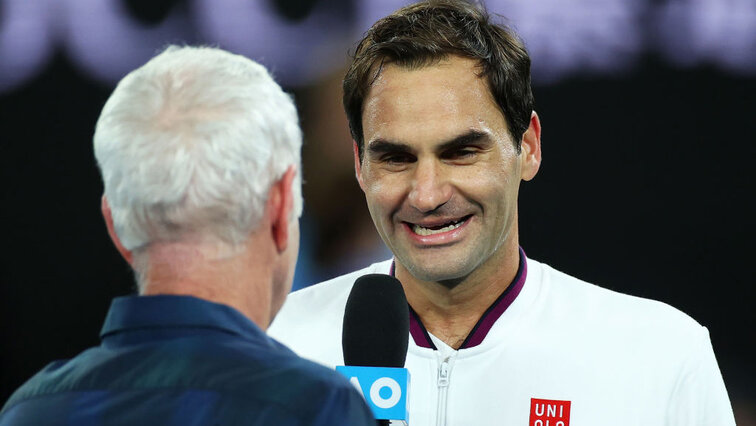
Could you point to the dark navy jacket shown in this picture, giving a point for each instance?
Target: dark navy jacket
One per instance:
(179, 360)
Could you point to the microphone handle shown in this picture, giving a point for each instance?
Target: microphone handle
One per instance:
(383, 422)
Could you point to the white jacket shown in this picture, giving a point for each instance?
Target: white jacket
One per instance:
(618, 359)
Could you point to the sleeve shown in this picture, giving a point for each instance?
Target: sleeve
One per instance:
(346, 407)
(700, 397)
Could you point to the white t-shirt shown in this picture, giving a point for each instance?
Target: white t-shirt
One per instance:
(562, 350)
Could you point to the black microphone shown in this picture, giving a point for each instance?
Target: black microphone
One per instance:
(376, 323)
(375, 334)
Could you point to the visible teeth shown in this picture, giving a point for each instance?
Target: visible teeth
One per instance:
(419, 230)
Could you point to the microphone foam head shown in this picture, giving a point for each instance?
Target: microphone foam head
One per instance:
(376, 323)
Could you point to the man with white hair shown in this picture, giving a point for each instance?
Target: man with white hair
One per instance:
(199, 151)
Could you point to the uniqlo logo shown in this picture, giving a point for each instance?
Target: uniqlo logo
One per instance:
(549, 412)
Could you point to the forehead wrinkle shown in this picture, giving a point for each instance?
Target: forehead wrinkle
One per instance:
(431, 105)
(396, 95)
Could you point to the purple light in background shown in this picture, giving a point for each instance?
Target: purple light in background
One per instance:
(369, 11)
(576, 36)
(717, 31)
(26, 38)
(107, 42)
(296, 53)
(564, 37)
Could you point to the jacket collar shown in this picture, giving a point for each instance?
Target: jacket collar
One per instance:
(132, 313)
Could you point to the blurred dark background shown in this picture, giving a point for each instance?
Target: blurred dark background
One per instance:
(649, 133)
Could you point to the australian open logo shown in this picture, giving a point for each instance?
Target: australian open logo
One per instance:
(385, 389)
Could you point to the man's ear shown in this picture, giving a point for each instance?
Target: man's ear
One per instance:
(358, 164)
(281, 207)
(531, 148)
(108, 215)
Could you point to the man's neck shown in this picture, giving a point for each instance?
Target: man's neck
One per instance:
(232, 279)
(451, 313)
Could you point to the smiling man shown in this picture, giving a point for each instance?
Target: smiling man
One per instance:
(442, 115)
(441, 174)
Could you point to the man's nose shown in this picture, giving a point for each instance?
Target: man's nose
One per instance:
(430, 187)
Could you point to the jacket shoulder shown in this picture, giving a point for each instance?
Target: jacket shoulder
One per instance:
(569, 304)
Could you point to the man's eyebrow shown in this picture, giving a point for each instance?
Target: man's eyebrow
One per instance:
(468, 138)
(382, 146)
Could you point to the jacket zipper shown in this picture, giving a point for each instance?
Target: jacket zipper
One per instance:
(443, 385)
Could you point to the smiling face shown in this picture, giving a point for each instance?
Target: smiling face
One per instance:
(441, 172)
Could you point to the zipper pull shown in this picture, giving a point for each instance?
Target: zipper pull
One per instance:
(443, 373)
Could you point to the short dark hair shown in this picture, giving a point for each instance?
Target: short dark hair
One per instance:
(426, 32)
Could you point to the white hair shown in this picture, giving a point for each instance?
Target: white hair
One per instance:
(189, 145)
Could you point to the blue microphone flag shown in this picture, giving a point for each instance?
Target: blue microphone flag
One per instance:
(384, 388)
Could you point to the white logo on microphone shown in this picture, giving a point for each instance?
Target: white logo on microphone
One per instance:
(385, 382)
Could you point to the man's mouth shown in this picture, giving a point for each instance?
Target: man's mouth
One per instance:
(439, 229)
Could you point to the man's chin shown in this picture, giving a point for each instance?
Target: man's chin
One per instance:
(448, 274)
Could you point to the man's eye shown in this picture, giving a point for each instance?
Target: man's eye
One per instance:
(397, 159)
(460, 154)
